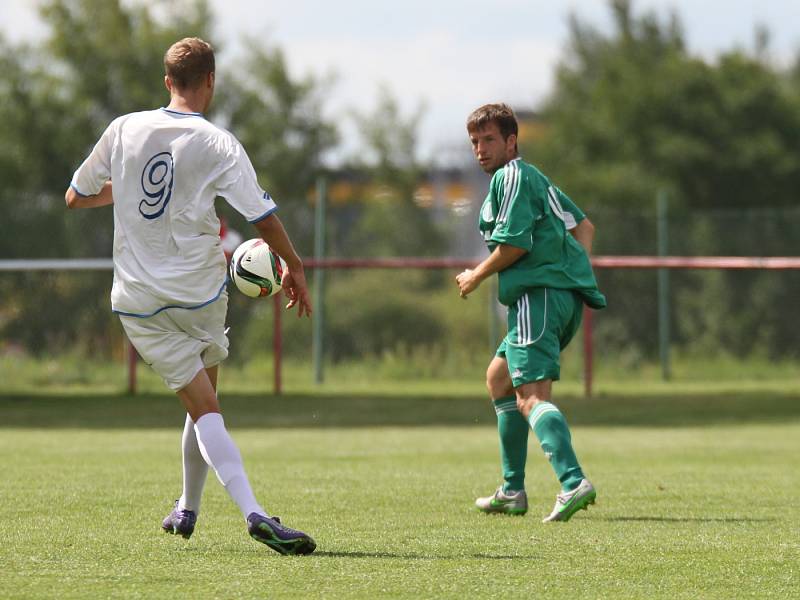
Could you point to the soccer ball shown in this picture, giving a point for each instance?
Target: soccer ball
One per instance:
(256, 270)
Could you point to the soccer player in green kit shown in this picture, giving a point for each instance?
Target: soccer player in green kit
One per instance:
(539, 244)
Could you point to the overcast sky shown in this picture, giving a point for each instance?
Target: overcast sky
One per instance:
(453, 55)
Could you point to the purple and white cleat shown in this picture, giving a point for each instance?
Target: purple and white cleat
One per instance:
(270, 531)
(180, 522)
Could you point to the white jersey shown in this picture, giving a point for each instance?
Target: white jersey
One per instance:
(167, 167)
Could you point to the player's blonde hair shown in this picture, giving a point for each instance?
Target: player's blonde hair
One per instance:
(188, 61)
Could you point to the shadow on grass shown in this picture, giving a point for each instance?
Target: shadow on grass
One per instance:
(104, 411)
(325, 553)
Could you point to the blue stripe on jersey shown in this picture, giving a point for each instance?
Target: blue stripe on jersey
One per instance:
(77, 191)
(195, 307)
(183, 114)
(266, 214)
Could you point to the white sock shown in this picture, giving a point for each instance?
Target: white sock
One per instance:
(223, 456)
(195, 469)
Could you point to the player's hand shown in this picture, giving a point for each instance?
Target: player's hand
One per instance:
(467, 282)
(296, 289)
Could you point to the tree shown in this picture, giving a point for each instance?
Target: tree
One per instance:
(103, 58)
(633, 112)
(382, 219)
(279, 120)
(391, 222)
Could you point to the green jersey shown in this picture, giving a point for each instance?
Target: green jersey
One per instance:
(525, 210)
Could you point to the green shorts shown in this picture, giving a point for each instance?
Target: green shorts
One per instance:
(540, 324)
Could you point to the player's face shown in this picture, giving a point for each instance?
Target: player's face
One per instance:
(490, 149)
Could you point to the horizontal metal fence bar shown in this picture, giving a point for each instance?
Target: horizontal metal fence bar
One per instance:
(400, 262)
(696, 262)
(601, 262)
(57, 264)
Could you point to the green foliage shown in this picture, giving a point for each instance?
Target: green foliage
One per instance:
(389, 226)
(391, 223)
(279, 121)
(102, 59)
(411, 318)
(634, 113)
(113, 53)
(390, 144)
(392, 316)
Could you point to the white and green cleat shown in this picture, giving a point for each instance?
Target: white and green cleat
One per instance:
(512, 503)
(568, 503)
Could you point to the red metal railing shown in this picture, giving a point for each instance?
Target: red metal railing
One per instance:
(696, 262)
(599, 262)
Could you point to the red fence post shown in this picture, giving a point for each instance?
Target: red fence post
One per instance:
(277, 343)
(587, 351)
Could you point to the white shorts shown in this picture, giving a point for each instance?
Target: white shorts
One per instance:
(178, 342)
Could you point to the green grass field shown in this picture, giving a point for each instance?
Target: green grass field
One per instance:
(698, 498)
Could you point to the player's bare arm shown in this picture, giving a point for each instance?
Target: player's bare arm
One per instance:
(294, 280)
(103, 198)
(584, 234)
(502, 257)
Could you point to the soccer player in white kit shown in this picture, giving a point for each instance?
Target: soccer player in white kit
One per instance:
(161, 170)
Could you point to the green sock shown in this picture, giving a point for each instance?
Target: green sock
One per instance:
(513, 431)
(551, 428)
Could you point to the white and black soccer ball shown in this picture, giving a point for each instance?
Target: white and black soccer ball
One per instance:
(256, 270)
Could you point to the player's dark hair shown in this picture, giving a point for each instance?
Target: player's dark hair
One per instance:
(494, 113)
(188, 62)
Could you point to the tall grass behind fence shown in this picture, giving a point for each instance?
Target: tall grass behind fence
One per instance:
(410, 324)
(400, 325)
